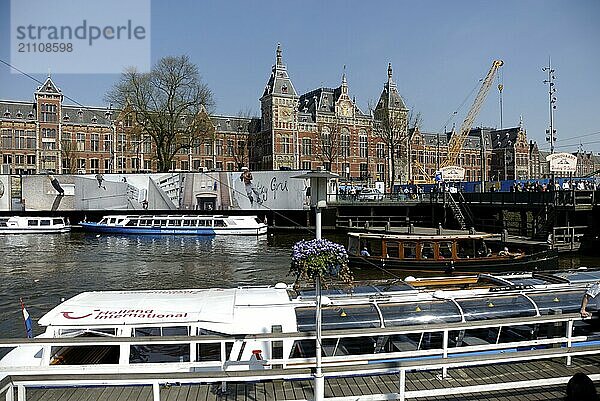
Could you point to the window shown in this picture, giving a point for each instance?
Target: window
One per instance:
(229, 147)
(48, 133)
(230, 167)
(185, 165)
(95, 142)
(363, 145)
(306, 147)
(306, 165)
(30, 159)
(219, 147)
(380, 171)
(81, 166)
(208, 149)
(445, 250)
(147, 145)
(285, 144)
(410, 250)
(107, 146)
(364, 170)
(6, 139)
(48, 112)
(80, 141)
(94, 166)
(345, 143)
(31, 139)
(121, 143)
(426, 249)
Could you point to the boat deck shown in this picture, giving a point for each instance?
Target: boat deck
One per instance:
(359, 387)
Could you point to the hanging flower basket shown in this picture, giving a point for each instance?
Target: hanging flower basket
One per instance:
(320, 258)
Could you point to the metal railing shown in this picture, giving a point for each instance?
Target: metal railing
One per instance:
(400, 362)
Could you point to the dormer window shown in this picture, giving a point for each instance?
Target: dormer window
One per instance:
(94, 119)
(30, 115)
(19, 114)
(7, 113)
(66, 117)
(284, 88)
(80, 114)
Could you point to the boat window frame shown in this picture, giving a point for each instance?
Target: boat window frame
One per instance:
(421, 246)
(452, 249)
(30, 223)
(404, 247)
(396, 245)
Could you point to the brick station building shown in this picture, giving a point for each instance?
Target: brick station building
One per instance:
(320, 128)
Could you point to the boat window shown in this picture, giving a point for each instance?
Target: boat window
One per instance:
(189, 223)
(256, 219)
(339, 318)
(410, 250)
(159, 353)
(353, 245)
(112, 221)
(334, 347)
(202, 223)
(44, 222)
(426, 250)
(57, 221)
(3, 222)
(496, 307)
(208, 351)
(175, 223)
(145, 222)
(556, 302)
(161, 331)
(132, 223)
(32, 223)
(410, 342)
(146, 331)
(103, 221)
(465, 249)
(111, 331)
(220, 223)
(413, 313)
(84, 355)
(445, 248)
(392, 250)
(481, 249)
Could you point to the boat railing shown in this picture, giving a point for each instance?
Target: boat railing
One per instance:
(83, 376)
(562, 337)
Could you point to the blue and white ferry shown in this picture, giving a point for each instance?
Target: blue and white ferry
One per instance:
(177, 225)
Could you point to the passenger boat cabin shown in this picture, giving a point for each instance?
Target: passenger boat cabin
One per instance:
(421, 247)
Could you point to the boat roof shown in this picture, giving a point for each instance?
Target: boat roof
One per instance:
(160, 306)
(417, 237)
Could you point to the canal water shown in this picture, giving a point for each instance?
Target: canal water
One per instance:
(43, 269)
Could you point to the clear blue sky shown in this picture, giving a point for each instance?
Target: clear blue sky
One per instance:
(439, 50)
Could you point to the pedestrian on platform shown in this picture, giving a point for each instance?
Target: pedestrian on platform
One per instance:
(591, 292)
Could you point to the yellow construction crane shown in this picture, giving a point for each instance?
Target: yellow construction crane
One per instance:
(458, 138)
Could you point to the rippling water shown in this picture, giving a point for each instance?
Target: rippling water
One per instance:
(45, 268)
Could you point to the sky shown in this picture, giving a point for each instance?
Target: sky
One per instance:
(439, 51)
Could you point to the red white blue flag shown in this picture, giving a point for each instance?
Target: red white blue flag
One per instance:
(27, 320)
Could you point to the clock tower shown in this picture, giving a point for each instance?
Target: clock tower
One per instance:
(279, 121)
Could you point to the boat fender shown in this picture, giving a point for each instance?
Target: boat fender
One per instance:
(410, 278)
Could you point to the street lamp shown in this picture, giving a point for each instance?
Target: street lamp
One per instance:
(108, 116)
(318, 200)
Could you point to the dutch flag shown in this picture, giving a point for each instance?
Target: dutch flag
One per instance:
(27, 320)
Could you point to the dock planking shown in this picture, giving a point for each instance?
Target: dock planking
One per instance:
(288, 390)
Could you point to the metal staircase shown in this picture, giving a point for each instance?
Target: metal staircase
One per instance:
(458, 215)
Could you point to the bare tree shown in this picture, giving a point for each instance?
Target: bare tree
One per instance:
(391, 127)
(240, 149)
(68, 151)
(171, 104)
(328, 142)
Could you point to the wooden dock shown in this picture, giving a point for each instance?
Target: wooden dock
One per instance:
(511, 379)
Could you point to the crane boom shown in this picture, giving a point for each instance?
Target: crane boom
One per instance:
(458, 139)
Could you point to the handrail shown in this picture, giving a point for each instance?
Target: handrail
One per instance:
(307, 335)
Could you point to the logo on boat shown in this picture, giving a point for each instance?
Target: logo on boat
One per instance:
(124, 313)
(67, 315)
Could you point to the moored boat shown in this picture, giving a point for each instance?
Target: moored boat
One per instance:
(177, 225)
(439, 254)
(34, 225)
(230, 329)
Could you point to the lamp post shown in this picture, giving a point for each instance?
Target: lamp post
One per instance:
(318, 200)
(108, 116)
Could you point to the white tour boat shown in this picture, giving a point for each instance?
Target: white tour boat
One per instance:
(262, 327)
(34, 225)
(182, 224)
